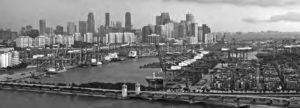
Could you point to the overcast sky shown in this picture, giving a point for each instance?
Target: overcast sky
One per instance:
(220, 15)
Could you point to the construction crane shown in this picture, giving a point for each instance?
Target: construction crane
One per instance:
(161, 61)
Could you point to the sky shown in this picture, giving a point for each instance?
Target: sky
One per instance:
(220, 15)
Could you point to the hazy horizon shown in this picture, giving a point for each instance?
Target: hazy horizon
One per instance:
(220, 15)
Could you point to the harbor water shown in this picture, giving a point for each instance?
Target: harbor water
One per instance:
(123, 71)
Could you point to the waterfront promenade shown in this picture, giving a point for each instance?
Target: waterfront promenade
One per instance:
(192, 98)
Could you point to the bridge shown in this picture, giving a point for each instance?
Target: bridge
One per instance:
(229, 99)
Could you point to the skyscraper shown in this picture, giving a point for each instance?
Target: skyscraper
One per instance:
(42, 27)
(128, 25)
(165, 18)
(91, 23)
(107, 21)
(189, 17)
(158, 20)
(71, 28)
(82, 27)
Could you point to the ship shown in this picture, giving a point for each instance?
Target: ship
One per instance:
(132, 54)
(112, 57)
(155, 82)
(94, 62)
(56, 70)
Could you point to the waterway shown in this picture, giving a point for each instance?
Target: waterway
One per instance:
(124, 71)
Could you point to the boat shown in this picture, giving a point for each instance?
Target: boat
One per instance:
(56, 70)
(132, 54)
(94, 62)
(155, 82)
(112, 57)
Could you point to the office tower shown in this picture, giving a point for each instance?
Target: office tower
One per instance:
(158, 20)
(189, 17)
(182, 29)
(165, 18)
(107, 21)
(91, 23)
(82, 27)
(42, 27)
(128, 25)
(119, 25)
(71, 28)
(205, 30)
(59, 30)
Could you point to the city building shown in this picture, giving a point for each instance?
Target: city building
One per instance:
(49, 31)
(82, 27)
(77, 37)
(158, 20)
(59, 30)
(167, 31)
(88, 38)
(165, 18)
(8, 35)
(107, 20)
(42, 27)
(41, 41)
(120, 38)
(153, 38)
(71, 28)
(24, 41)
(147, 30)
(190, 17)
(91, 23)
(128, 25)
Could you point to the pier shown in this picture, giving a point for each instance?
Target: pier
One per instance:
(192, 98)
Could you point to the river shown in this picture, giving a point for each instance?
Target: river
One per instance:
(124, 71)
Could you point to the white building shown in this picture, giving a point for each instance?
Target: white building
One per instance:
(68, 40)
(77, 37)
(88, 38)
(125, 37)
(167, 31)
(24, 41)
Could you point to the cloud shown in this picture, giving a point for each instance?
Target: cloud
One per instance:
(262, 3)
(288, 17)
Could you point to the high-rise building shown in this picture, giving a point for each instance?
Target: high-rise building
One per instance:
(128, 25)
(59, 30)
(189, 17)
(182, 29)
(147, 30)
(165, 18)
(42, 27)
(158, 20)
(82, 27)
(205, 30)
(71, 28)
(107, 21)
(119, 25)
(91, 23)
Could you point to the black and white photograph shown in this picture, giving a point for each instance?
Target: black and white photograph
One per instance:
(149, 53)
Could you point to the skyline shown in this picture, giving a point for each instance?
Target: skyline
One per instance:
(220, 15)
